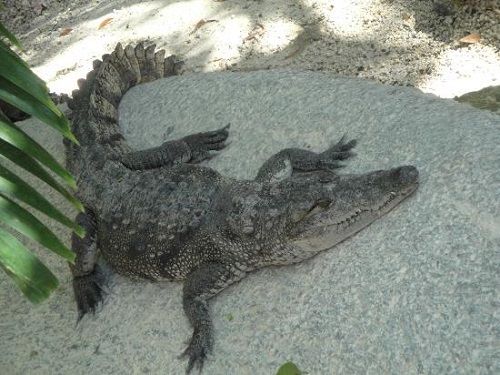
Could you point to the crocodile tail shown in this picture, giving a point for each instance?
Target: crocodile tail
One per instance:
(95, 104)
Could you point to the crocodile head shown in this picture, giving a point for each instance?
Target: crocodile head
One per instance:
(354, 202)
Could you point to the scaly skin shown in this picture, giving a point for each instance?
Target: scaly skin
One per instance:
(160, 215)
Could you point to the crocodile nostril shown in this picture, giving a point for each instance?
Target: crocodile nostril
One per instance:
(407, 174)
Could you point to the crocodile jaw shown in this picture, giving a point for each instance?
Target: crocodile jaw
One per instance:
(342, 220)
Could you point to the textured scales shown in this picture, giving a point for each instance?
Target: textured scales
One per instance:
(160, 215)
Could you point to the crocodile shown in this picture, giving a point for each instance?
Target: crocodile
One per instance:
(160, 214)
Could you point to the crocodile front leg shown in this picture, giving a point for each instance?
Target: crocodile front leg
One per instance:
(282, 164)
(204, 283)
(200, 144)
(88, 278)
(190, 149)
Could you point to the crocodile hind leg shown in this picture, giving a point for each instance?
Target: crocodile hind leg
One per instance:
(201, 285)
(88, 278)
(283, 164)
(193, 148)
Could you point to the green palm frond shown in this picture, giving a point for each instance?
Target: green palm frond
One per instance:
(20, 87)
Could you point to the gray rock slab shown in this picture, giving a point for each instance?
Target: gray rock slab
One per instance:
(415, 293)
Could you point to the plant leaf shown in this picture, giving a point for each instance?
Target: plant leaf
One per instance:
(21, 76)
(24, 222)
(7, 49)
(104, 23)
(16, 137)
(289, 368)
(31, 276)
(26, 102)
(12, 185)
(200, 23)
(29, 164)
(6, 33)
(65, 31)
(471, 38)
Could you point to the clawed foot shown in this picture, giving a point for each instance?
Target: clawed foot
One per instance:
(342, 150)
(197, 350)
(201, 144)
(89, 292)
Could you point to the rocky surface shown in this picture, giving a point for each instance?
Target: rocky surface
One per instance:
(487, 98)
(414, 293)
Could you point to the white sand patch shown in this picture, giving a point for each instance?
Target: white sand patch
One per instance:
(463, 70)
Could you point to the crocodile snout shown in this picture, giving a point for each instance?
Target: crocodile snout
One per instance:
(407, 174)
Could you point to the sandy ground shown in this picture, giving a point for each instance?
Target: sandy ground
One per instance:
(399, 42)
